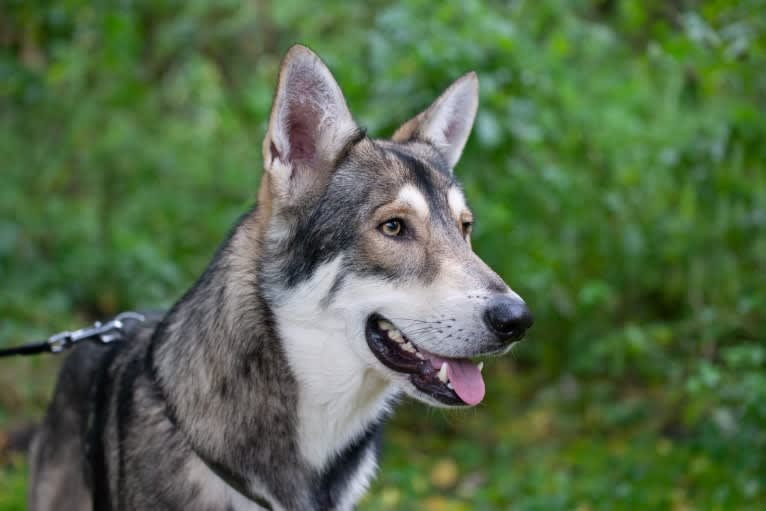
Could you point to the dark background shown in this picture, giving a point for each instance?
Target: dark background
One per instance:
(616, 170)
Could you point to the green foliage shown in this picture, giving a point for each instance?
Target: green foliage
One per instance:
(13, 487)
(617, 171)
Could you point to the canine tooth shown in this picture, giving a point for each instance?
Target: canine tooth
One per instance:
(385, 325)
(407, 346)
(443, 373)
(449, 386)
(480, 365)
(419, 355)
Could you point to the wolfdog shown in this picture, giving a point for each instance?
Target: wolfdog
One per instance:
(267, 384)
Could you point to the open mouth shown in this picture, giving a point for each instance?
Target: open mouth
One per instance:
(452, 381)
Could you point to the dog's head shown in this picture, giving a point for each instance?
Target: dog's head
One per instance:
(370, 240)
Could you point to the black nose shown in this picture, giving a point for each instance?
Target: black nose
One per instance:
(508, 317)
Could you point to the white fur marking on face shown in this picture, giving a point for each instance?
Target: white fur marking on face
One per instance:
(456, 201)
(415, 199)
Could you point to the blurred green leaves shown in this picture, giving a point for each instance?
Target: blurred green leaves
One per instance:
(617, 171)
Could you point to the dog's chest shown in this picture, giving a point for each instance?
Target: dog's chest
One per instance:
(340, 395)
(338, 488)
(215, 493)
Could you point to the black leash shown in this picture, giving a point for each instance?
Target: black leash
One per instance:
(104, 333)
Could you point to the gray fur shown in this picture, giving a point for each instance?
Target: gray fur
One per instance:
(199, 408)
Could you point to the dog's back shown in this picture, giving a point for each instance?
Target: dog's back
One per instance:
(63, 454)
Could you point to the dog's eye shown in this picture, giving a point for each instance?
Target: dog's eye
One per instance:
(393, 227)
(467, 228)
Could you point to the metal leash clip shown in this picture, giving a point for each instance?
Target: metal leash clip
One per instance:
(105, 333)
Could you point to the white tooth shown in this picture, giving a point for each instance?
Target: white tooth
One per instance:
(419, 355)
(385, 325)
(480, 365)
(407, 346)
(396, 336)
(449, 386)
(443, 373)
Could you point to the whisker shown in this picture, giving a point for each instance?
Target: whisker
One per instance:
(422, 329)
(413, 320)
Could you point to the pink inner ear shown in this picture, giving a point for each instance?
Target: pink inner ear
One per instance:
(301, 132)
(452, 130)
(456, 124)
(304, 115)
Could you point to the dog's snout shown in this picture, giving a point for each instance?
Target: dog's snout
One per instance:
(508, 317)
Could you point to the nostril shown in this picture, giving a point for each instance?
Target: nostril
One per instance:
(508, 317)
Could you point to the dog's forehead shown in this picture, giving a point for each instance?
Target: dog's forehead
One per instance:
(414, 172)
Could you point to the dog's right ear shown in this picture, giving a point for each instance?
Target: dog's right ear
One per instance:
(309, 126)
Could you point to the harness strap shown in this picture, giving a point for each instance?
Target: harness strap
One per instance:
(94, 435)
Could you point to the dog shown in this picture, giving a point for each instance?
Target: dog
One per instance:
(266, 386)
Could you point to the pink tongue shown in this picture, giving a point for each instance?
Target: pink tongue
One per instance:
(466, 379)
(464, 376)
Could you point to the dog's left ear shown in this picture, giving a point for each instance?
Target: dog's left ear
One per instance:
(448, 121)
(309, 126)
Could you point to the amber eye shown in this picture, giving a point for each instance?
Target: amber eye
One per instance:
(393, 227)
(467, 228)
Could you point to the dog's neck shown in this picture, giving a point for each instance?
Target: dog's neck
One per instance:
(266, 394)
(339, 395)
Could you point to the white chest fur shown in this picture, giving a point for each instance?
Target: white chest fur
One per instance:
(340, 395)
